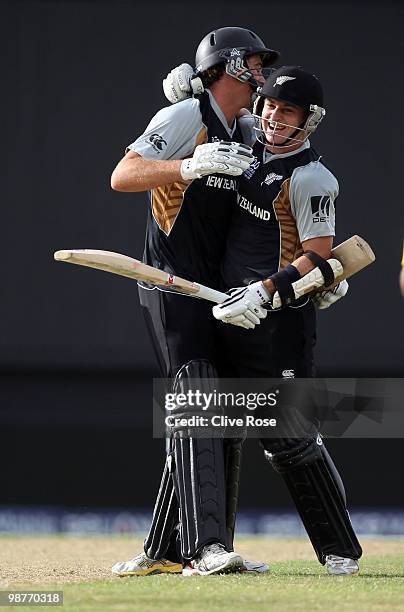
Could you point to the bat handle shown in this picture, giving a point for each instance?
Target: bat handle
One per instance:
(211, 295)
(313, 281)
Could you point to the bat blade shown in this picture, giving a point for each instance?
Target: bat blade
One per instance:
(116, 263)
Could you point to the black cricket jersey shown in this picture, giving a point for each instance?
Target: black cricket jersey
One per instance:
(282, 201)
(188, 221)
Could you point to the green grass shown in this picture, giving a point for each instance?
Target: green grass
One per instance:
(291, 585)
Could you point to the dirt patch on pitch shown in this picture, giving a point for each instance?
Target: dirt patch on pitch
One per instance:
(41, 560)
(58, 560)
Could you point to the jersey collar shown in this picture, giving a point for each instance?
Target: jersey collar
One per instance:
(220, 114)
(267, 156)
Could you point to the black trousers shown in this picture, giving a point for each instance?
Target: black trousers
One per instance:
(281, 346)
(182, 329)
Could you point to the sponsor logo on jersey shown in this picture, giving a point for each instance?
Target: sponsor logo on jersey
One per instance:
(220, 182)
(288, 374)
(258, 212)
(251, 169)
(320, 208)
(271, 177)
(158, 143)
(282, 79)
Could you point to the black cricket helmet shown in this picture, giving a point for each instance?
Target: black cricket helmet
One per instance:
(230, 46)
(296, 86)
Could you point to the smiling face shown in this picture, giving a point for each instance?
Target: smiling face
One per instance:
(279, 122)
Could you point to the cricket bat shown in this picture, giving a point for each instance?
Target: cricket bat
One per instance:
(132, 268)
(348, 258)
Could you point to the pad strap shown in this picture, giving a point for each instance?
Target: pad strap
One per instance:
(232, 456)
(323, 265)
(283, 283)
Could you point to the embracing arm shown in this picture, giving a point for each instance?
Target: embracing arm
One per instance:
(154, 159)
(135, 173)
(173, 148)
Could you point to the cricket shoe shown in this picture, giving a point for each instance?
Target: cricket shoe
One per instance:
(253, 567)
(142, 565)
(213, 559)
(341, 566)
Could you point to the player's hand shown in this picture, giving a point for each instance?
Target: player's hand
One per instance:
(181, 83)
(244, 306)
(217, 158)
(324, 299)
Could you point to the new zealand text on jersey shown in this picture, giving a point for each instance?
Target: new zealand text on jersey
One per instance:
(261, 213)
(221, 183)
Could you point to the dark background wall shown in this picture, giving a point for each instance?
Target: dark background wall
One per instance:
(80, 81)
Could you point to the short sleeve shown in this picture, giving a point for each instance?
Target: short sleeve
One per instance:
(172, 133)
(313, 192)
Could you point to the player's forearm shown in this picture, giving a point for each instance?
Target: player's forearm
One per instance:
(321, 246)
(138, 174)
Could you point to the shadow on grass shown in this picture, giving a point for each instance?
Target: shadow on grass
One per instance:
(361, 574)
(366, 574)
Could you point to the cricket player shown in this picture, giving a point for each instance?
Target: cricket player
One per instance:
(188, 158)
(285, 208)
(282, 228)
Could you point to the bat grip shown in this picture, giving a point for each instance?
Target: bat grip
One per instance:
(211, 295)
(313, 281)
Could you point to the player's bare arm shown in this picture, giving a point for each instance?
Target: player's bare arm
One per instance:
(245, 304)
(135, 173)
(321, 245)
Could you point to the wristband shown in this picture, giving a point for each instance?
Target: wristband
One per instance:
(283, 283)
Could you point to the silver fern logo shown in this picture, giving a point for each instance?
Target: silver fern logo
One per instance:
(270, 178)
(282, 79)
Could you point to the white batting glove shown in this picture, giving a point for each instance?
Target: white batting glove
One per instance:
(240, 321)
(181, 84)
(244, 307)
(217, 158)
(324, 299)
